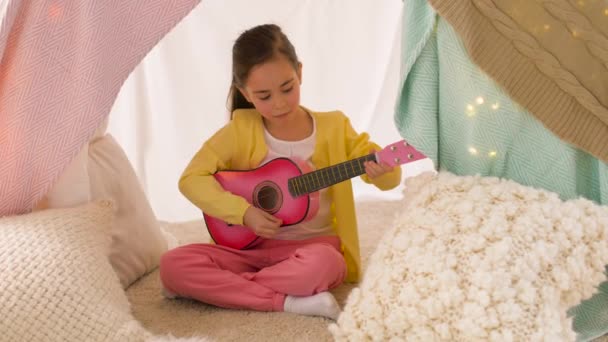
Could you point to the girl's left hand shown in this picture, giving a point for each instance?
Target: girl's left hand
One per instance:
(374, 170)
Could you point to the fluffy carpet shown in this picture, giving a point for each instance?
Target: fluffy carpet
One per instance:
(186, 318)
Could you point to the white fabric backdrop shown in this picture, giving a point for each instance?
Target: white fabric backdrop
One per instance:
(3, 8)
(176, 98)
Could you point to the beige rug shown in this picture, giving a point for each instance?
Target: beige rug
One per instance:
(186, 318)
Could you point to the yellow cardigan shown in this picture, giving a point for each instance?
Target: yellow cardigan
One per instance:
(240, 145)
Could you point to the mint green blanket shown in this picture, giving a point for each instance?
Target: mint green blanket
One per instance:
(459, 117)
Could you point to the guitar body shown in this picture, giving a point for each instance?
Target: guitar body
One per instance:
(266, 188)
(289, 190)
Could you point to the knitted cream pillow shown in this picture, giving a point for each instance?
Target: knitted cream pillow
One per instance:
(478, 259)
(56, 283)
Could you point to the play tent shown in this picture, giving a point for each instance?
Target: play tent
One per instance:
(400, 69)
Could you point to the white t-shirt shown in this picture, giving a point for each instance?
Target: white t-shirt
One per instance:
(320, 224)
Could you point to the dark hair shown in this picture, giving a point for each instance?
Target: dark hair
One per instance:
(255, 46)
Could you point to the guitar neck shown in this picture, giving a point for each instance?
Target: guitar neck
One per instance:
(326, 177)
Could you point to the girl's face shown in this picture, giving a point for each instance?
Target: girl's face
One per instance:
(274, 89)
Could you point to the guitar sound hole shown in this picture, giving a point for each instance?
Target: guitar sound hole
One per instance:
(267, 196)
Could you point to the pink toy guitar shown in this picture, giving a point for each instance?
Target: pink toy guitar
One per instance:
(281, 188)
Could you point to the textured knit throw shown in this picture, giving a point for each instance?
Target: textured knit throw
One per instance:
(550, 56)
(57, 283)
(62, 63)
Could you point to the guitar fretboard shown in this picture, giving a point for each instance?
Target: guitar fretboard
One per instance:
(325, 177)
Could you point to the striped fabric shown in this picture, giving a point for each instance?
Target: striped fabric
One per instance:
(62, 63)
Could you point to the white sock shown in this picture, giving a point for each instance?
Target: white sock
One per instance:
(322, 304)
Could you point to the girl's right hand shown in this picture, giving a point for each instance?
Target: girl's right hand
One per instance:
(261, 223)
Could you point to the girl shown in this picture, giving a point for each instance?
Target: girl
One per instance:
(293, 268)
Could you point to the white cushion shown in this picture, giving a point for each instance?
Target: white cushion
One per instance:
(472, 258)
(137, 241)
(72, 187)
(56, 282)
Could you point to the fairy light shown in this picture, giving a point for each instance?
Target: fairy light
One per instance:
(606, 12)
(546, 27)
(495, 106)
(492, 154)
(473, 151)
(575, 33)
(470, 110)
(479, 100)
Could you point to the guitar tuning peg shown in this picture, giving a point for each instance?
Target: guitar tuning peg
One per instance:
(393, 148)
(410, 156)
(397, 160)
(405, 143)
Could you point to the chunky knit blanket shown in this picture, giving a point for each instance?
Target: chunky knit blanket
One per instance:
(57, 283)
(479, 259)
(464, 120)
(62, 63)
(551, 56)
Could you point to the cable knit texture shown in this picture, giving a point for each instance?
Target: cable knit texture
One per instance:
(479, 259)
(551, 56)
(56, 282)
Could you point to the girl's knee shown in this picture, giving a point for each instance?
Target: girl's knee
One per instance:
(169, 265)
(171, 258)
(325, 264)
(177, 263)
(330, 258)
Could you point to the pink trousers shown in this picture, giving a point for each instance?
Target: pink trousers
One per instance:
(257, 278)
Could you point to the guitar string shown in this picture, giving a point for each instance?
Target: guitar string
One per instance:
(308, 179)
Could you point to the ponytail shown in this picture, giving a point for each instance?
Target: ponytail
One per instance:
(236, 100)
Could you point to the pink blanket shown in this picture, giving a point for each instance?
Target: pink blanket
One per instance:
(62, 63)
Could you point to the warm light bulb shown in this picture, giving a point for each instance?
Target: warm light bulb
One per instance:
(473, 151)
(479, 100)
(492, 154)
(470, 110)
(495, 106)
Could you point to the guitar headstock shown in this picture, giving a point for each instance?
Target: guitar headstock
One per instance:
(399, 153)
